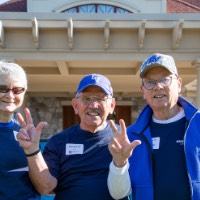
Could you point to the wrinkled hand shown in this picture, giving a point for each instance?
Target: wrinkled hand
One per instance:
(120, 147)
(29, 135)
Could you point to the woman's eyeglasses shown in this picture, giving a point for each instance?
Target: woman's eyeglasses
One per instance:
(15, 90)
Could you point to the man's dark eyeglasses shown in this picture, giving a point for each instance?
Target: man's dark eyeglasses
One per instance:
(15, 90)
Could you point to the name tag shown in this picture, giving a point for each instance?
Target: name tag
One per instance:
(72, 149)
(15, 135)
(156, 142)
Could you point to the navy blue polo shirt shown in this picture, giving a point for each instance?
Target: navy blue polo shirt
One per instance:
(80, 160)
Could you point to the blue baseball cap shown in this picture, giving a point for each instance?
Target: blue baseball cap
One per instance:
(95, 80)
(160, 60)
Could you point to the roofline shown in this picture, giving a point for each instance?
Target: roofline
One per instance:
(98, 16)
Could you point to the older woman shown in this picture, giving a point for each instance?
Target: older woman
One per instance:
(14, 178)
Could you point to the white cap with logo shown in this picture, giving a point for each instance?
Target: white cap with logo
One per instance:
(160, 60)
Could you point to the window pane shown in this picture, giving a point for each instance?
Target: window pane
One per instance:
(87, 9)
(105, 9)
(71, 10)
(120, 10)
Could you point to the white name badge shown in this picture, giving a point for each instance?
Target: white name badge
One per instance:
(72, 149)
(156, 142)
(15, 135)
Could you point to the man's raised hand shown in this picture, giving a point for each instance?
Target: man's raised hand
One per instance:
(120, 147)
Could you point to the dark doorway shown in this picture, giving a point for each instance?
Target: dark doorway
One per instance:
(69, 117)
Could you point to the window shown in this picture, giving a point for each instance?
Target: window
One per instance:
(96, 8)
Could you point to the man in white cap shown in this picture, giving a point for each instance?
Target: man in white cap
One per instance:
(76, 161)
(165, 164)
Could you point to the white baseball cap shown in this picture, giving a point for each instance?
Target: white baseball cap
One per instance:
(160, 60)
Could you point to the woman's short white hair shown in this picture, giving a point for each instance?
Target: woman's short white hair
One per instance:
(10, 69)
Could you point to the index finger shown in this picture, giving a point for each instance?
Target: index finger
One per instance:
(21, 120)
(114, 128)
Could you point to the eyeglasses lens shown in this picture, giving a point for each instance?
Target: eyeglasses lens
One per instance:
(15, 90)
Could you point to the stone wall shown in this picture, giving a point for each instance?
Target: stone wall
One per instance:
(47, 109)
(137, 105)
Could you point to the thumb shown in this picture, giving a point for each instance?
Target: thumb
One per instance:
(134, 144)
(39, 128)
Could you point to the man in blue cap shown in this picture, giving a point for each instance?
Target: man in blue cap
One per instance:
(166, 164)
(76, 161)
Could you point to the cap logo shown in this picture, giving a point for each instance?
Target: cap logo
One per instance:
(152, 59)
(96, 78)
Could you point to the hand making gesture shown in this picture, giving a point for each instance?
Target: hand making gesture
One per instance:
(120, 147)
(29, 135)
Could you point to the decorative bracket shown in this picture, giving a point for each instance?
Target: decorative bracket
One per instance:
(70, 33)
(177, 34)
(35, 32)
(141, 34)
(107, 34)
(1, 35)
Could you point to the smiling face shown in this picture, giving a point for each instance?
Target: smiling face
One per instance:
(11, 76)
(10, 102)
(162, 99)
(93, 114)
